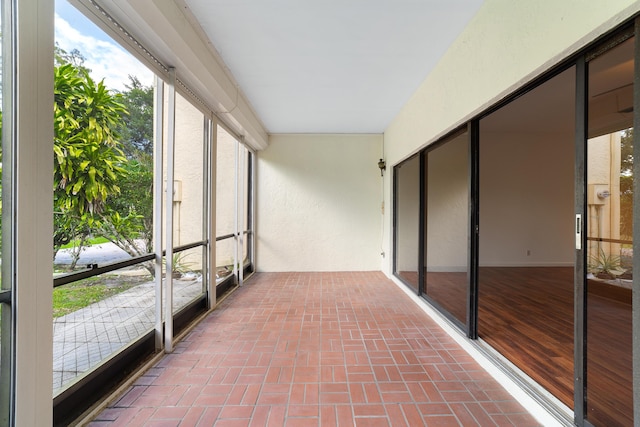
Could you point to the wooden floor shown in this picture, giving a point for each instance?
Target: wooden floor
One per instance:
(526, 314)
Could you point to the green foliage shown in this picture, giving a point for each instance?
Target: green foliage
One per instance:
(75, 58)
(180, 264)
(128, 219)
(88, 161)
(605, 263)
(626, 184)
(90, 241)
(136, 126)
(128, 222)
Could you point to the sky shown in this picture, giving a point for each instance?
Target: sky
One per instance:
(104, 57)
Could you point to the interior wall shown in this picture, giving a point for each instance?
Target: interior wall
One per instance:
(318, 203)
(448, 206)
(526, 199)
(506, 45)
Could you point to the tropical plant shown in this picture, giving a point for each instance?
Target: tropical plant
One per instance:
(626, 184)
(88, 160)
(136, 127)
(605, 263)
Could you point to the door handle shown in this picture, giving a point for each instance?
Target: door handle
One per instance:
(578, 232)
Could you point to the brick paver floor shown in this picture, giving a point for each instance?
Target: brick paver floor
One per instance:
(316, 349)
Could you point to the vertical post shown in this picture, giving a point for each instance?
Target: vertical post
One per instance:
(236, 270)
(171, 133)
(240, 179)
(29, 122)
(252, 208)
(158, 188)
(7, 344)
(473, 228)
(212, 141)
(580, 302)
(422, 223)
(636, 226)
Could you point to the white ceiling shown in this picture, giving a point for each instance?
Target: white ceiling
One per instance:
(331, 66)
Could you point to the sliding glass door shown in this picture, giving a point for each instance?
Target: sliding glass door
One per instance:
(608, 374)
(526, 253)
(521, 228)
(407, 222)
(447, 218)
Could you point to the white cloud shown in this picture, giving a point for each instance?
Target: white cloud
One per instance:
(106, 60)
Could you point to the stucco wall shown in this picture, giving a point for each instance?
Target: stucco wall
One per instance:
(319, 203)
(507, 44)
(189, 173)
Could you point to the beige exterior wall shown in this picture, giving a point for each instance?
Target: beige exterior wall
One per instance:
(319, 203)
(225, 196)
(603, 173)
(507, 44)
(189, 181)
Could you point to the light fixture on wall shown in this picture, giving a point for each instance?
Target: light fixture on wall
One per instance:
(382, 165)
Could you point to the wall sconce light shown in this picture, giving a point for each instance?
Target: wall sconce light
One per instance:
(382, 165)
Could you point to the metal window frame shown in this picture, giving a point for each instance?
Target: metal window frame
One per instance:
(636, 227)
(471, 299)
(158, 138)
(7, 355)
(169, 197)
(394, 221)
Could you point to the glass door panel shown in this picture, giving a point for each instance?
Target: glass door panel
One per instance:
(609, 220)
(447, 218)
(526, 243)
(407, 221)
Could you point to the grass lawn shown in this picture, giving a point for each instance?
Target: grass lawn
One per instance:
(89, 242)
(74, 296)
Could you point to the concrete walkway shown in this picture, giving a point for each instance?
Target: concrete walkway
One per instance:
(103, 253)
(84, 338)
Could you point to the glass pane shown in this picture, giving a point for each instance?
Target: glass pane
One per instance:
(407, 198)
(188, 202)
(245, 170)
(103, 181)
(526, 247)
(225, 202)
(224, 258)
(5, 310)
(610, 238)
(187, 276)
(95, 318)
(103, 195)
(447, 224)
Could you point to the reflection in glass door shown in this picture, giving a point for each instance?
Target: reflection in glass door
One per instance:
(447, 213)
(609, 220)
(526, 250)
(407, 221)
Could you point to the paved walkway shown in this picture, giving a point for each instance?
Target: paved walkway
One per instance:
(102, 253)
(316, 349)
(82, 339)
